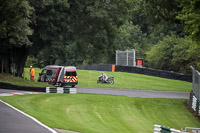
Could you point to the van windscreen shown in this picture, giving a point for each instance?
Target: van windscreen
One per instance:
(49, 72)
(70, 74)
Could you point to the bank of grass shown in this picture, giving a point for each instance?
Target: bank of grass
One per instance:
(126, 81)
(27, 75)
(91, 113)
(7, 78)
(132, 81)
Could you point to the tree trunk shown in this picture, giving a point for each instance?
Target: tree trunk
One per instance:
(7, 65)
(19, 58)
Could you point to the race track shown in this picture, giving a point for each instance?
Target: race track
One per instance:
(14, 121)
(134, 93)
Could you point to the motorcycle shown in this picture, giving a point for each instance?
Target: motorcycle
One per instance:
(110, 80)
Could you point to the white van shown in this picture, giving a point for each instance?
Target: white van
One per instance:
(59, 75)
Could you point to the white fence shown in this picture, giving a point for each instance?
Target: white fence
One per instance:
(125, 58)
(61, 90)
(163, 129)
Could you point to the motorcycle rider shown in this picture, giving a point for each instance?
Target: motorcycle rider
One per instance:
(104, 77)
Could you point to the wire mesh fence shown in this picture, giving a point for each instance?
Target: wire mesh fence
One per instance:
(196, 83)
(195, 93)
(125, 58)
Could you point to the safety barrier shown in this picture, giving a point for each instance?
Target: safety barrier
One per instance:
(194, 102)
(39, 89)
(98, 67)
(23, 88)
(195, 93)
(61, 90)
(189, 129)
(163, 129)
(154, 72)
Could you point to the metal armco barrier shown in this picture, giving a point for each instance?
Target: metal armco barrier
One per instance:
(194, 130)
(154, 72)
(61, 90)
(100, 67)
(163, 129)
(39, 89)
(23, 88)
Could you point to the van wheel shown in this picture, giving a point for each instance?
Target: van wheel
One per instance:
(73, 86)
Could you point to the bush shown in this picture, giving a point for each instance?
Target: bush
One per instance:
(174, 54)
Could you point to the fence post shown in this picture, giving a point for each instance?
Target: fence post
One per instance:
(116, 57)
(134, 58)
(113, 68)
(127, 57)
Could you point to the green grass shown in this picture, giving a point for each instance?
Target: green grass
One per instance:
(122, 81)
(7, 78)
(103, 113)
(132, 81)
(91, 113)
(27, 75)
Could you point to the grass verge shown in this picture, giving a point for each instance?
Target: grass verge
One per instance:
(132, 81)
(27, 75)
(103, 113)
(122, 81)
(7, 78)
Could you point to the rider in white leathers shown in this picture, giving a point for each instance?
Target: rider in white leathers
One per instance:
(104, 77)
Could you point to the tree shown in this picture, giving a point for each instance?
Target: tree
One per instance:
(87, 27)
(190, 15)
(157, 19)
(160, 55)
(174, 54)
(131, 37)
(14, 32)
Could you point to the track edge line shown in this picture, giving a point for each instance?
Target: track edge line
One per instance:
(34, 119)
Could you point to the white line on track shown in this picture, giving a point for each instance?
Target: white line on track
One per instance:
(40, 123)
(19, 93)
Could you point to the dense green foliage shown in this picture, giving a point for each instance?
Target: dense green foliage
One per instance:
(15, 17)
(67, 32)
(77, 32)
(91, 113)
(174, 54)
(190, 15)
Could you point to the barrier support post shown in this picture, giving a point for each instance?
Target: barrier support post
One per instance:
(113, 68)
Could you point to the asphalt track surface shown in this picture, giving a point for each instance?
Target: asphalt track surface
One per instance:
(134, 93)
(12, 121)
(125, 92)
